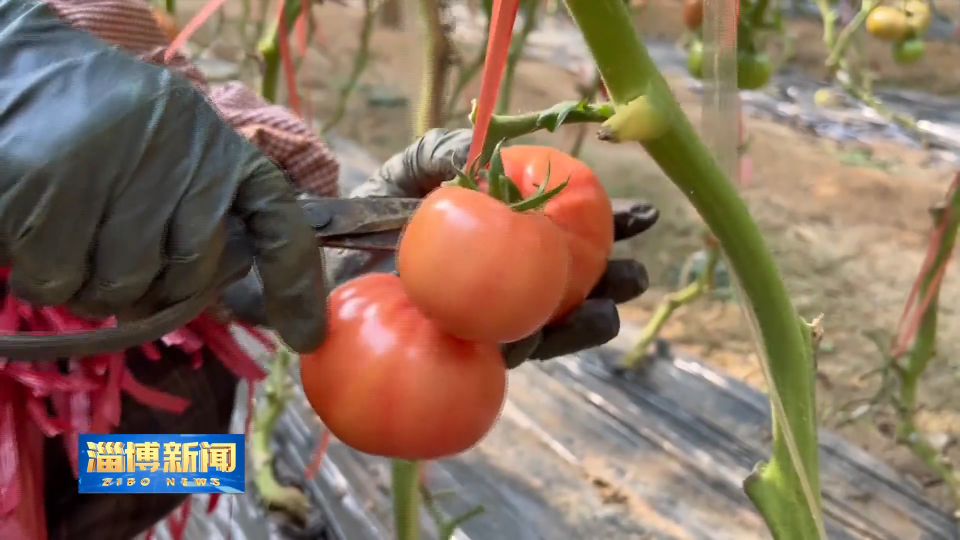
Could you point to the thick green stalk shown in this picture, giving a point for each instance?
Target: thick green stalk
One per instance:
(170, 6)
(270, 52)
(406, 499)
(787, 490)
(269, 48)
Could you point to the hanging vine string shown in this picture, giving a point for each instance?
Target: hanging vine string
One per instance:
(502, 18)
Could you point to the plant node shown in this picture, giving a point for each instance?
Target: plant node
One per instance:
(640, 120)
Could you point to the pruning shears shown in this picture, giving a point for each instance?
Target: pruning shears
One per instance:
(370, 224)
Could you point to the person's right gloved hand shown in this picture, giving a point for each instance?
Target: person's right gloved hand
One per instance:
(115, 180)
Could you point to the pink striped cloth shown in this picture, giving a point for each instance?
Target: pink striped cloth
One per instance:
(278, 132)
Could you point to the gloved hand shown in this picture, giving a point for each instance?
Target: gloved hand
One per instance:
(116, 180)
(419, 169)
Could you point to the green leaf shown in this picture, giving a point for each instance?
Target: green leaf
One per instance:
(580, 111)
(495, 174)
(511, 191)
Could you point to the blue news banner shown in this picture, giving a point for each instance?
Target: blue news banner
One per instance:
(161, 464)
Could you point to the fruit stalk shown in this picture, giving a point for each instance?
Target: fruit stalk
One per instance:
(504, 127)
(405, 483)
(786, 490)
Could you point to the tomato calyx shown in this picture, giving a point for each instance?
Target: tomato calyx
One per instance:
(501, 187)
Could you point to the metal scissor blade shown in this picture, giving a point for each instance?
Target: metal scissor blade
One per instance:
(376, 241)
(335, 217)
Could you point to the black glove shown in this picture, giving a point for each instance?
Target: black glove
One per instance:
(116, 180)
(419, 169)
(596, 321)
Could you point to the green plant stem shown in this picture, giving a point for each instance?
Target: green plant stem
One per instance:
(503, 127)
(170, 6)
(270, 52)
(838, 44)
(866, 97)
(360, 61)
(673, 302)
(786, 490)
(588, 94)
(405, 483)
(839, 47)
(828, 15)
(529, 8)
(446, 528)
(924, 350)
(436, 62)
(276, 395)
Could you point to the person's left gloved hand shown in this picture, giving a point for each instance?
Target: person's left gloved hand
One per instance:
(421, 168)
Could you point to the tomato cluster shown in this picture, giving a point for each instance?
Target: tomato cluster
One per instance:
(411, 366)
(754, 69)
(903, 26)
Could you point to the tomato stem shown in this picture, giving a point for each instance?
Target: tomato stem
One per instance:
(786, 490)
(405, 480)
(506, 127)
(502, 188)
(277, 393)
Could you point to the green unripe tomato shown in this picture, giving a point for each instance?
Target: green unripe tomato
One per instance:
(695, 60)
(753, 71)
(908, 51)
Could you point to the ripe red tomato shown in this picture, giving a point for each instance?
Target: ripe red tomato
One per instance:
(582, 210)
(482, 271)
(387, 381)
(693, 14)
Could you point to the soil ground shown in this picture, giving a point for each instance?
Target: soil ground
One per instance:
(849, 238)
